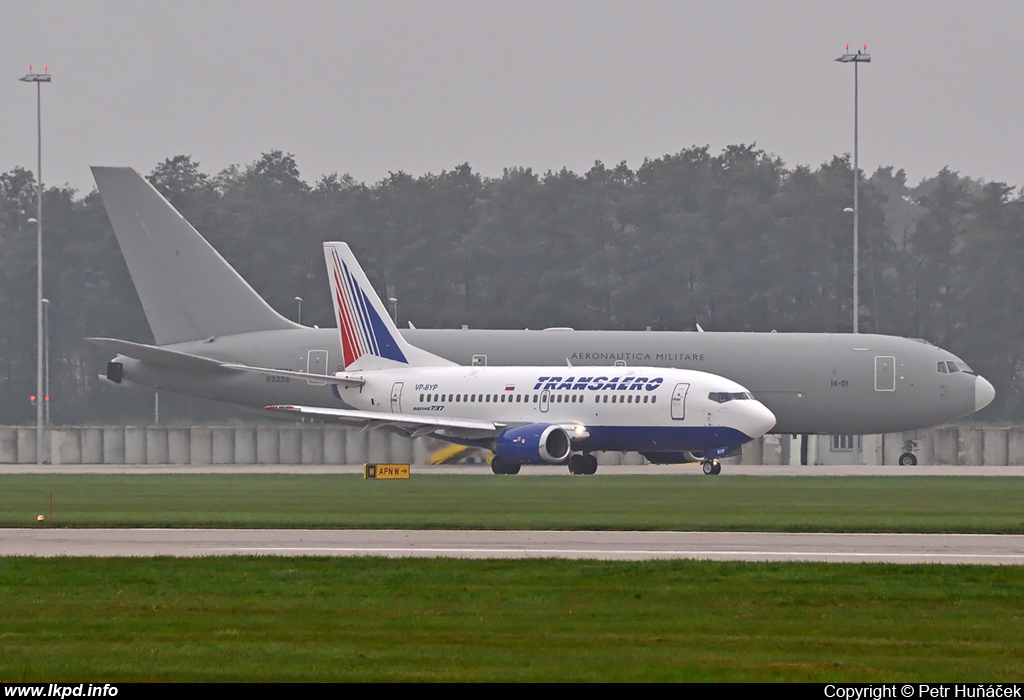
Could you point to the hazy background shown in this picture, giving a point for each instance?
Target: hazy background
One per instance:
(372, 88)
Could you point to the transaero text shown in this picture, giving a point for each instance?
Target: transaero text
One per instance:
(598, 383)
(923, 690)
(585, 357)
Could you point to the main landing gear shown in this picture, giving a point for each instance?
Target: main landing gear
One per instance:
(711, 467)
(582, 464)
(500, 466)
(908, 458)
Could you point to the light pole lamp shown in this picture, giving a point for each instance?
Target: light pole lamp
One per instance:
(394, 309)
(299, 299)
(39, 79)
(862, 56)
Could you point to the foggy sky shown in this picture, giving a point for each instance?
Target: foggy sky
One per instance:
(369, 88)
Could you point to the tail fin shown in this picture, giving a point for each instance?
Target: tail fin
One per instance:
(188, 291)
(369, 339)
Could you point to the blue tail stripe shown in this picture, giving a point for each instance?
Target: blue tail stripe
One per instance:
(377, 337)
(356, 296)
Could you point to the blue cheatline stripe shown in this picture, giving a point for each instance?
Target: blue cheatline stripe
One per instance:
(660, 438)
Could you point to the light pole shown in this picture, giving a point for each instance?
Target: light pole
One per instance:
(394, 309)
(39, 79)
(46, 361)
(299, 299)
(862, 56)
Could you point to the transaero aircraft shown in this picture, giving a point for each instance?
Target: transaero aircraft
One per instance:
(525, 415)
(208, 323)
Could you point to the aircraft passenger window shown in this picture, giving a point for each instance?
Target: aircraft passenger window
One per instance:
(519, 398)
(535, 398)
(645, 399)
(472, 398)
(421, 398)
(654, 399)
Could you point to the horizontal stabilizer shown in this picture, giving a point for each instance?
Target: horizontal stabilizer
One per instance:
(157, 356)
(188, 361)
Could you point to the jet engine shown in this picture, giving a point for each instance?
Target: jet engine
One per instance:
(536, 443)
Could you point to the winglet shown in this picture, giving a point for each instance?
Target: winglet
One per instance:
(369, 338)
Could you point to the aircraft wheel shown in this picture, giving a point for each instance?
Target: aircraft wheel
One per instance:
(591, 464)
(908, 459)
(578, 464)
(712, 467)
(500, 466)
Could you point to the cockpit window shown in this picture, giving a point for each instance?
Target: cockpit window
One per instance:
(725, 396)
(950, 367)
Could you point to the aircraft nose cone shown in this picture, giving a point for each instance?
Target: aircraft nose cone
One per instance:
(984, 392)
(760, 420)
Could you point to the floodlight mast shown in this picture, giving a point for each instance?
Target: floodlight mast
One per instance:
(39, 79)
(862, 56)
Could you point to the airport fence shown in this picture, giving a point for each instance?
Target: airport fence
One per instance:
(294, 444)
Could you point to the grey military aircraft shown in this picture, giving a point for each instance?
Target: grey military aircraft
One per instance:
(212, 332)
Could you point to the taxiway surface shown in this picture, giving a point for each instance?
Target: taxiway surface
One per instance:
(512, 544)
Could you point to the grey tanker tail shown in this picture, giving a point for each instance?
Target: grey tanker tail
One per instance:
(198, 307)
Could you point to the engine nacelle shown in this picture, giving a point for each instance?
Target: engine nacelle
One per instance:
(537, 443)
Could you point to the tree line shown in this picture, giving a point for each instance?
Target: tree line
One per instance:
(734, 240)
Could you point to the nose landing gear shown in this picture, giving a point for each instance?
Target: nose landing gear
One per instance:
(711, 467)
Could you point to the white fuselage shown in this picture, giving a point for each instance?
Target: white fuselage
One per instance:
(618, 408)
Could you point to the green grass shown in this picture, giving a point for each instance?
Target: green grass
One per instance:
(313, 619)
(793, 504)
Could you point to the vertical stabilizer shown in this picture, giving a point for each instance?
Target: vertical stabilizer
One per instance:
(369, 339)
(188, 291)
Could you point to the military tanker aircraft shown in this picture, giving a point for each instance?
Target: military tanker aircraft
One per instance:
(209, 325)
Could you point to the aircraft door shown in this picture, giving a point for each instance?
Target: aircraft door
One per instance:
(316, 363)
(544, 401)
(679, 401)
(885, 373)
(396, 397)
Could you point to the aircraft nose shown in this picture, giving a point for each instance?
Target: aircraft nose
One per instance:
(759, 420)
(984, 392)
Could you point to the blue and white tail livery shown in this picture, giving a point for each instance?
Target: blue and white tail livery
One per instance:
(369, 338)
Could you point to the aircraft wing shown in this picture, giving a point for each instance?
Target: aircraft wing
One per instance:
(188, 361)
(414, 426)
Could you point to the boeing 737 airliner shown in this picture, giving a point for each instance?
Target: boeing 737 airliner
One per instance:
(525, 415)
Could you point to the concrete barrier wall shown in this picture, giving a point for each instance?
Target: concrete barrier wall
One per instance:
(290, 444)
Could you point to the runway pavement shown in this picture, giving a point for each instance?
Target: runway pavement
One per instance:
(417, 469)
(512, 544)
